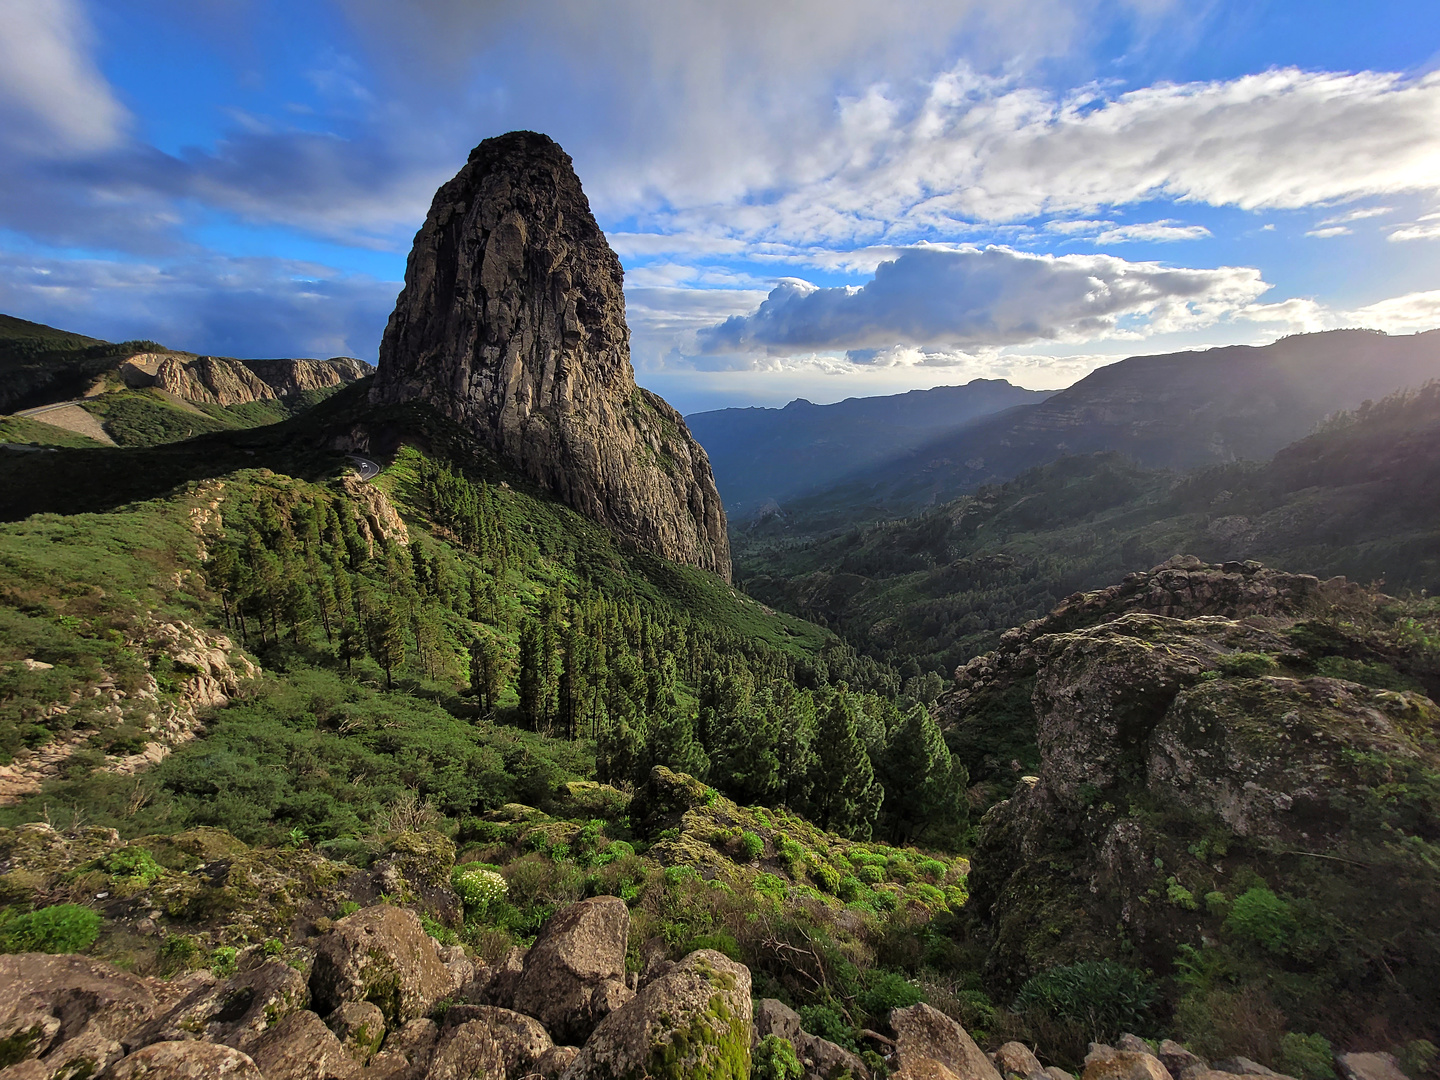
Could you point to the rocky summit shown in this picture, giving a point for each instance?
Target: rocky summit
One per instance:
(512, 322)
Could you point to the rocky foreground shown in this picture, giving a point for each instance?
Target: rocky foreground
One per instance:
(378, 998)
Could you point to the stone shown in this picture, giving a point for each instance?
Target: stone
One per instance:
(235, 1012)
(30, 1069)
(521, 1039)
(468, 1052)
(1054, 1072)
(69, 1009)
(775, 1018)
(379, 954)
(566, 972)
(496, 985)
(1133, 1043)
(512, 324)
(1369, 1066)
(189, 1060)
(925, 1032)
(553, 1063)
(692, 1022)
(1125, 1065)
(923, 1068)
(1177, 1059)
(1243, 1066)
(823, 1059)
(360, 1027)
(1016, 1059)
(301, 1047)
(407, 1053)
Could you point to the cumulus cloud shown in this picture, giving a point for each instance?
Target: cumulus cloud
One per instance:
(1406, 314)
(985, 297)
(53, 99)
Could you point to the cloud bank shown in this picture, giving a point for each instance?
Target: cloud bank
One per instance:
(972, 297)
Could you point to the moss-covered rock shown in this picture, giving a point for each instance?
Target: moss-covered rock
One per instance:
(692, 1023)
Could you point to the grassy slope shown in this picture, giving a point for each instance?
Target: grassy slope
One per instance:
(40, 364)
(26, 430)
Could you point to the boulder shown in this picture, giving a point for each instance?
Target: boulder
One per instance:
(496, 985)
(1016, 1059)
(1133, 1043)
(67, 1009)
(923, 1032)
(1243, 1066)
(235, 1012)
(1125, 1065)
(301, 1047)
(512, 325)
(775, 1018)
(380, 954)
(468, 1052)
(189, 1060)
(30, 1069)
(1369, 1067)
(360, 1027)
(1177, 1059)
(574, 974)
(823, 1059)
(694, 1021)
(407, 1053)
(521, 1039)
(553, 1063)
(1054, 1072)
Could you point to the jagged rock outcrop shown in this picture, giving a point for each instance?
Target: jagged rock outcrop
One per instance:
(512, 323)
(1247, 749)
(222, 380)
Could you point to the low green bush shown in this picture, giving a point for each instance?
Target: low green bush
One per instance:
(62, 928)
(752, 845)
(1260, 916)
(886, 990)
(1247, 665)
(1308, 1057)
(826, 1021)
(774, 1059)
(1104, 995)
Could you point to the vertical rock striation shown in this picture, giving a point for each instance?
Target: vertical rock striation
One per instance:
(512, 322)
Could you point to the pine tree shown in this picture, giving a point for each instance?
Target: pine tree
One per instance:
(924, 784)
(531, 681)
(487, 672)
(846, 793)
(388, 644)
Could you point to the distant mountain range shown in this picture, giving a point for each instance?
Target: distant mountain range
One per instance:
(765, 456)
(1177, 411)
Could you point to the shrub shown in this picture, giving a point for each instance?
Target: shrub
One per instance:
(871, 875)
(177, 953)
(1305, 1056)
(826, 876)
(223, 961)
(886, 990)
(1264, 918)
(752, 845)
(720, 941)
(774, 1059)
(770, 885)
(63, 928)
(1104, 995)
(825, 1021)
(1247, 665)
(931, 868)
(131, 866)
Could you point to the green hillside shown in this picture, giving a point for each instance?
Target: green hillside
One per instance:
(40, 364)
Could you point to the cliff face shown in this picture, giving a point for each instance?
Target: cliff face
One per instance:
(218, 380)
(512, 322)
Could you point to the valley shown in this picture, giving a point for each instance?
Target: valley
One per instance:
(481, 716)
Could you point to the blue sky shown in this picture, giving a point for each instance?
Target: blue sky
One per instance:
(817, 199)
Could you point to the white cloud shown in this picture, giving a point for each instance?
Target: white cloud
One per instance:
(972, 297)
(1329, 231)
(1426, 228)
(976, 148)
(53, 99)
(1153, 231)
(1400, 314)
(1359, 214)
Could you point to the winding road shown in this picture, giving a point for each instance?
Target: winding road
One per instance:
(367, 469)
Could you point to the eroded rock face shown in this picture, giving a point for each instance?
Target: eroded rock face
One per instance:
(512, 323)
(693, 1021)
(219, 380)
(184, 1061)
(575, 972)
(382, 955)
